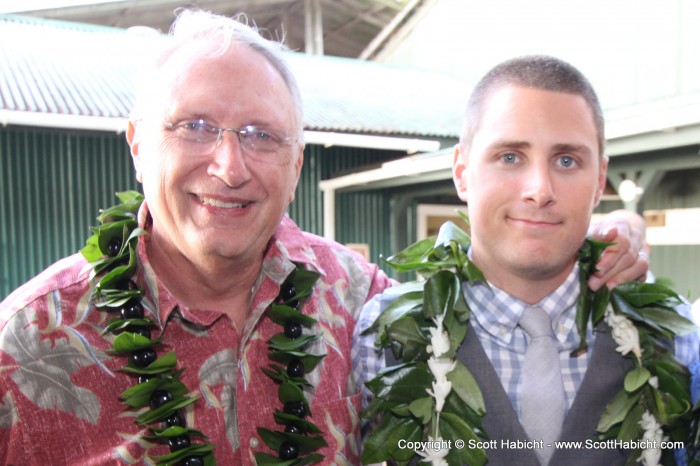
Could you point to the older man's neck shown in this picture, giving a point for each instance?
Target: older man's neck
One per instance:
(207, 284)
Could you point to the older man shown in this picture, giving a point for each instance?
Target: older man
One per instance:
(217, 142)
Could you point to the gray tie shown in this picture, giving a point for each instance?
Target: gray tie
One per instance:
(542, 391)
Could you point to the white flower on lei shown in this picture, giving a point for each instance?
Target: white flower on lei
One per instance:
(440, 367)
(654, 381)
(436, 457)
(652, 433)
(440, 391)
(439, 341)
(624, 333)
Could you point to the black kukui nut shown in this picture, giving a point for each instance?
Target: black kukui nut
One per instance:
(295, 368)
(179, 442)
(132, 310)
(293, 429)
(143, 357)
(146, 377)
(292, 329)
(140, 330)
(192, 461)
(175, 419)
(287, 292)
(159, 398)
(114, 245)
(295, 408)
(288, 451)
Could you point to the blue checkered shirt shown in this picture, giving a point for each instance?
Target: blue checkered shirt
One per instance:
(495, 316)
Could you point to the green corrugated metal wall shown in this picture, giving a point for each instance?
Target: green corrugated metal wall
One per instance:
(362, 217)
(52, 183)
(678, 189)
(674, 262)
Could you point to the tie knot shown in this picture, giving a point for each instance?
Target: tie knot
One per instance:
(536, 322)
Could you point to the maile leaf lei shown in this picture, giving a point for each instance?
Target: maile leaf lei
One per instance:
(112, 251)
(298, 442)
(657, 385)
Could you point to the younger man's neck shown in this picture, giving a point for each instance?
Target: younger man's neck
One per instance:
(527, 285)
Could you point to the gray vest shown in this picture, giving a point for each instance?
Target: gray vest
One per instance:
(603, 379)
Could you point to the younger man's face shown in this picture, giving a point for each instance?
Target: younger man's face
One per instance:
(531, 178)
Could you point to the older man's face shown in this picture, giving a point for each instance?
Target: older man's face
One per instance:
(225, 204)
(531, 178)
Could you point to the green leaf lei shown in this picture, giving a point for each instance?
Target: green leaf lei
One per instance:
(112, 252)
(290, 363)
(657, 384)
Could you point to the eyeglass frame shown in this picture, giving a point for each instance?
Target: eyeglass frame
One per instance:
(247, 145)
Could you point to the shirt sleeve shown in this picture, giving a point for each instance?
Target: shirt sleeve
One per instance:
(367, 360)
(687, 351)
(10, 435)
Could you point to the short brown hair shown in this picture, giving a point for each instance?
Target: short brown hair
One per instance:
(538, 72)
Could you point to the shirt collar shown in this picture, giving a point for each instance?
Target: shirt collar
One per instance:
(498, 313)
(287, 246)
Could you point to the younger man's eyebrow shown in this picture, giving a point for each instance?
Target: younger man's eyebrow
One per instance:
(561, 147)
(508, 144)
(577, 148)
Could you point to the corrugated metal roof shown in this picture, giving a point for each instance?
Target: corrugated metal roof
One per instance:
(64, 68)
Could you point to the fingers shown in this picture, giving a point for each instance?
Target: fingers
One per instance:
(624, 261)
(637, 271)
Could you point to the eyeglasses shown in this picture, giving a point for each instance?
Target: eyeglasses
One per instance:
(200, 138)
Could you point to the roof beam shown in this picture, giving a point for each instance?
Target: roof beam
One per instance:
(389, 29)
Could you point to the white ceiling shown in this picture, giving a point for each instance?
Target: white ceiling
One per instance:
(348, 25)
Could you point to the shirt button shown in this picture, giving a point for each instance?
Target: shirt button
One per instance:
(503, 330)
(253, 442)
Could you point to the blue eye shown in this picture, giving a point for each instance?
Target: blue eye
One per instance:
(262, 135)
(509, 157)
(197, 130)
(259, 139)
(567, 161)
(197, 126)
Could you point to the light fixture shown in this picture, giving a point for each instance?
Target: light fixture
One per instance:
(629, 191)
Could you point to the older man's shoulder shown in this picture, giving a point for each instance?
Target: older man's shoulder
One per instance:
(69, 272)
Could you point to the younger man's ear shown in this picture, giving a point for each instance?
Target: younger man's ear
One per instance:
(602, 179)
(459, 171)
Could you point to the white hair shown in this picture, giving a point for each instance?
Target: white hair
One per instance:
(202, 25)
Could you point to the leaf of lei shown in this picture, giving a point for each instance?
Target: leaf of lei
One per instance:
(657, 384)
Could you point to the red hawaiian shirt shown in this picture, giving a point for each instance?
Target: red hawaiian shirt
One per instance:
(59, 390)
